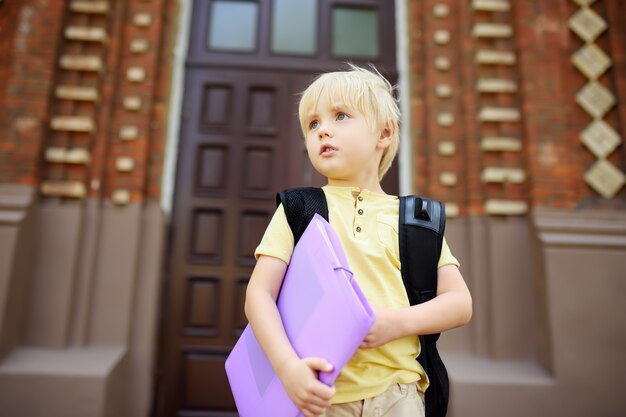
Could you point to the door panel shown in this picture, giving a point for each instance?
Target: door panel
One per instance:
(231, 162)
(240, 143)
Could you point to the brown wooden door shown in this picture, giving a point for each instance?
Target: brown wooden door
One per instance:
(240, 142)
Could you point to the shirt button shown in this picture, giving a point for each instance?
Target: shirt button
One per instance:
(358, 229)
(360, 211)
(360, 198)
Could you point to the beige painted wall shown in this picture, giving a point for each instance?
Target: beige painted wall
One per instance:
(548, 336)
(87, 343)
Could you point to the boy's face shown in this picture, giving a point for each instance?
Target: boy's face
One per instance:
(341, 144)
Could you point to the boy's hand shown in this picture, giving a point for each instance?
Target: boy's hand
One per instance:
(384, 330)
(299, 377)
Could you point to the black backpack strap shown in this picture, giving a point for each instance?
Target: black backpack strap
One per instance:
(300, 205)
(422, 226)
(420, 237)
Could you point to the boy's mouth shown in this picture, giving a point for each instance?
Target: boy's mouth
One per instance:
(327, 149)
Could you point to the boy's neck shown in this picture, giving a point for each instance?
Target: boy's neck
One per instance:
(373, 186)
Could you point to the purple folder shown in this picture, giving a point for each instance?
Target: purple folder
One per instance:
(324, 313)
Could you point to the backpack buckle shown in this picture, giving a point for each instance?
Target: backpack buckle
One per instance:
(421, 209)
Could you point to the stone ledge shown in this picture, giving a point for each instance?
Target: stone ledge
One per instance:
(581, 228)
(74, 189)
(15, 201)
(73, 124)
(475, 369)
(73, 382)
(89, 63)
(70, 92)
(15, 196)
(495, 57)
(89, 7)
(499, 114)
(503, 175)
(492, 30)
(496, 85)
(85, 361)
(506, 207)
(67, 156)
(491, 5)
(86, 34)
(500, 144)
(452, 210)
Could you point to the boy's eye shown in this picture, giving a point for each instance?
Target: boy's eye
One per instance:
(342, 116)
(314, 124)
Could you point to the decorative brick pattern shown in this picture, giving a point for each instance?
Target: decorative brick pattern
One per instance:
(103, 116)
(77, 99)
(444, 102)
(134, 156)
(498, 109)
(605, 178)
(596, 100)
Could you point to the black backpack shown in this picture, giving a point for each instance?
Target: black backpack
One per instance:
(421, 227)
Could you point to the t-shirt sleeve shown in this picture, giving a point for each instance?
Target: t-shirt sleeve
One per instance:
(446, 257)
(277, 241)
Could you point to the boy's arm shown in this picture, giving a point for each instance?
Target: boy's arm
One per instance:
(298, 376)
(452, 307)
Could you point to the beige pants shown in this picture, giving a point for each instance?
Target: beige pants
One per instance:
(400, 400)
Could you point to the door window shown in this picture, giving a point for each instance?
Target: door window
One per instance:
(294, 24)
(354, 32)
(224, 34)
(291, 28)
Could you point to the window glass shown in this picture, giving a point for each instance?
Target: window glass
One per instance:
(355, 32)
(294, 25)
(233, 25)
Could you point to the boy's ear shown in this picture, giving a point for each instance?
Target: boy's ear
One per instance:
(386, 135)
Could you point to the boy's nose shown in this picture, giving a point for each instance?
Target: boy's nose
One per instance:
(323, 132)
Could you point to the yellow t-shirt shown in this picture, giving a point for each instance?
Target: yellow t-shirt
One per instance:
(367, 225)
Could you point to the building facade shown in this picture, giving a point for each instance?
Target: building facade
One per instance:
(142, 143)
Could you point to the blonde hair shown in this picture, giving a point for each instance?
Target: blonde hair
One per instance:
(366, 91)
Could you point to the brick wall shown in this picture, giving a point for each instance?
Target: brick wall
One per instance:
(496, 123)
(84, 103)
(528, 153)
(29, 34)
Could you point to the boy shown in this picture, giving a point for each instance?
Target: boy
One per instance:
(350, 124)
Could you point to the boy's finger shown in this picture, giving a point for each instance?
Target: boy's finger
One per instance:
(324, 393)
(319, 364)
(318, 394)
(315, 410)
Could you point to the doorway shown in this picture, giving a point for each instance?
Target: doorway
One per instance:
(240, 143)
